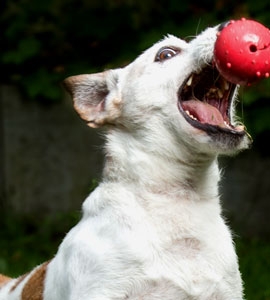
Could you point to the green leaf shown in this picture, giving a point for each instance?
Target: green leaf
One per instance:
(26, 49)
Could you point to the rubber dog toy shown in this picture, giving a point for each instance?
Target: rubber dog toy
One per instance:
(242, 52)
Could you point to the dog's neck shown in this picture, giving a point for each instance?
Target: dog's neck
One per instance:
(132, 162)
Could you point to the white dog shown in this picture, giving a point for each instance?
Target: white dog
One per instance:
(153, 228)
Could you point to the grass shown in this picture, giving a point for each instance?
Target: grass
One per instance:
(30, 241)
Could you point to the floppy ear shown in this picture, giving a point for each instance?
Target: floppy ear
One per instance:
(95, 97)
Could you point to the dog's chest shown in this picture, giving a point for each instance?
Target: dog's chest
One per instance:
(157, 290)
(134, 255)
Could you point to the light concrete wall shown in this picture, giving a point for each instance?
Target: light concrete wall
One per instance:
(49, 156)
(245, 192)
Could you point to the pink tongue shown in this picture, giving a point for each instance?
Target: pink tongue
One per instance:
(203, 112)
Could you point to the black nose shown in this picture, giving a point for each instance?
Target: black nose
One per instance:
(223, 25)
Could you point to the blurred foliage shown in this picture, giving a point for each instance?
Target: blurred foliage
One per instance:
(28, 241)
(42, 42)
(254, 263)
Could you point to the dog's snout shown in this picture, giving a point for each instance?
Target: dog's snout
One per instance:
(223, 25)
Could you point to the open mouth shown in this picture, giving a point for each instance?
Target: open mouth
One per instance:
(205, 100)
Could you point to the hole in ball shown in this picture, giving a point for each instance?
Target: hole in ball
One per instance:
(253, 48)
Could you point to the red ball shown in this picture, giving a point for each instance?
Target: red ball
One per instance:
(242, 51)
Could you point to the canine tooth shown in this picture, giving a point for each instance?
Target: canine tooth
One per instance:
(225, 85)
(220, 94)
(226, 123)
(189, 82)
(190, 115)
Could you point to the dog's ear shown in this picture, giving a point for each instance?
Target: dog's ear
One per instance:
(95, 97)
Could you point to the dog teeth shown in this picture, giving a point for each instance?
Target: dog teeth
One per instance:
(190, 115)
(189, 82)
(220, 94)
(215, 92)
(225, 85)
(227, 124)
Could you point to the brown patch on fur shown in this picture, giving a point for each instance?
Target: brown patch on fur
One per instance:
(33, 289)
(17, 282)
(4, 279)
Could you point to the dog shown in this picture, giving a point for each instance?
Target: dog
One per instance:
(153, 229)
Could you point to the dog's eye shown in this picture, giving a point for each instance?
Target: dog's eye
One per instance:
(166, 53)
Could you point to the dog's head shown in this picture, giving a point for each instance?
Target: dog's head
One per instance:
(172, 92)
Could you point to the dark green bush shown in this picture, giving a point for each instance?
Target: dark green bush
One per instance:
(42, 42)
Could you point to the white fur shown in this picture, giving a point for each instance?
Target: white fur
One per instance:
(153, 228)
